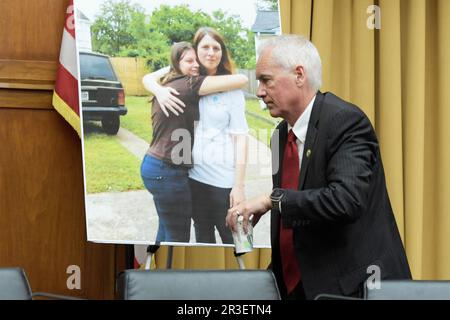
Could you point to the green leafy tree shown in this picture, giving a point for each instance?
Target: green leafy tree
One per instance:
(122, 29)
(240, 41)
(268, 5)
(112, 31)
(149, 43)
(155, 48)
(179, 23)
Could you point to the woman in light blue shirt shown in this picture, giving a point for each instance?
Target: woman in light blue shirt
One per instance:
(220, 144)
(164, 175)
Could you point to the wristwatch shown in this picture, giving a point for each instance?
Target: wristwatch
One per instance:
(276, 196)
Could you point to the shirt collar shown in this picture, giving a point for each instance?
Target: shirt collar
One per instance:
(301, 125)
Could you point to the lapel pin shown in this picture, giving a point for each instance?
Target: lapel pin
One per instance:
(308, 153)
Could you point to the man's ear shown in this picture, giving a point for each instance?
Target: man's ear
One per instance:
(300, 76)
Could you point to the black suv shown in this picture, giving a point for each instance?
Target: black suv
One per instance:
(102, 94)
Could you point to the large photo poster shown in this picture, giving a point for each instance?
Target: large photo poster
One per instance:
(173, 133)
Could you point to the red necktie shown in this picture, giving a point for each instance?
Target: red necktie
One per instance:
(289, 180)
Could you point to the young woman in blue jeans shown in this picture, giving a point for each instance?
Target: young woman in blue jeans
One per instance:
(220, 149)
(165, 167)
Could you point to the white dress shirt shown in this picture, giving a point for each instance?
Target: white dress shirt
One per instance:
(301, 127)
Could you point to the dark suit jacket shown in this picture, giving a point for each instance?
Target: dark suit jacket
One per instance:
(341, 215)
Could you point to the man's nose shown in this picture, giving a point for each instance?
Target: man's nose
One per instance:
(261, 92)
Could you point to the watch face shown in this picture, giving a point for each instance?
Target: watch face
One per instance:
(276, 193)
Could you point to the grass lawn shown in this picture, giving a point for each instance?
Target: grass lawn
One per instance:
(260, 129)
(254, 106)
(138, 119)
(109, 166)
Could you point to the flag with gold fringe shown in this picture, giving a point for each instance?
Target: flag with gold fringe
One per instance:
(65, 95)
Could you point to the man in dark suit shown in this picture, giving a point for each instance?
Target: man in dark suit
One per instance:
(331, 219)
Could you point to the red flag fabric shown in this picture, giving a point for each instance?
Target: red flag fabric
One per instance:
(65, 95)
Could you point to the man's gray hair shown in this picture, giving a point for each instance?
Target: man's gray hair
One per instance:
(288, 51)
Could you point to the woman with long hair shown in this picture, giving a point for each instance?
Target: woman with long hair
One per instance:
(220, 144)
(165, 167)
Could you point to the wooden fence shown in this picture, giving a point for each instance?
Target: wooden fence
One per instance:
(130, 72)
(252, 85)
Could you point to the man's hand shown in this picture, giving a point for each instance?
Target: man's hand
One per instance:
(167, 99)
(255, 206)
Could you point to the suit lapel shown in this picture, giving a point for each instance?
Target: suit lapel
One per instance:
(278, 151)
(310, 138)
(278, 145)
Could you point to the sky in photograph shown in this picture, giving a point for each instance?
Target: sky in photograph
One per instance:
(246, 9)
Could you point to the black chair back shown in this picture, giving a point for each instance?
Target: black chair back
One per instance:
(409, 290)
(198, 285)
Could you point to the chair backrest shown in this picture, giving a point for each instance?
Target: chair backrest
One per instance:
(198, 285)
(14, 284)
(409, 290)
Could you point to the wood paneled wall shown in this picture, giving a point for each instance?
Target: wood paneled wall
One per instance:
(42, 221)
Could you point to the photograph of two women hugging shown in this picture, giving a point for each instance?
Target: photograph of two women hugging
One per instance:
(198, 97)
